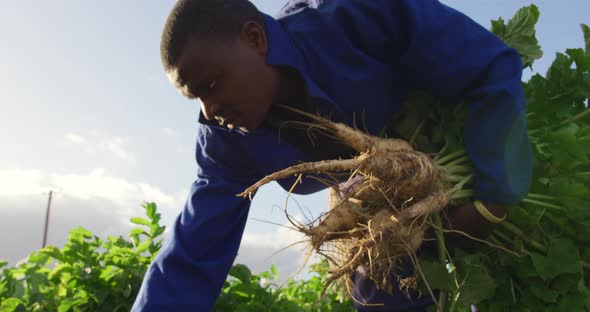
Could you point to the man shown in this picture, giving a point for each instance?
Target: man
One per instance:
(354, 60)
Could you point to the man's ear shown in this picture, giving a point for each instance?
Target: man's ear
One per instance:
(254, 36)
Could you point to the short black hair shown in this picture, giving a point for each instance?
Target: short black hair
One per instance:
(203, 20)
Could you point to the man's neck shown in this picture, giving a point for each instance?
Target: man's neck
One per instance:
(293, 127)
(291, 90)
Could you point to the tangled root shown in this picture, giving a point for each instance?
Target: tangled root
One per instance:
(387, 237)
(379, 215)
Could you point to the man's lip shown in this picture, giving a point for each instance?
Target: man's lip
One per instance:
(231, 123)
(222, 121)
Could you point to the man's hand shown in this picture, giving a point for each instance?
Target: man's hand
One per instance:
(467, 219)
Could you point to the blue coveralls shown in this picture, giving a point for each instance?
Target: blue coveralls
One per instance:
(358, 58)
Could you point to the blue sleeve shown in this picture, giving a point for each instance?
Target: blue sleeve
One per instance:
(440, 50)
(190, 269)
(450, 55)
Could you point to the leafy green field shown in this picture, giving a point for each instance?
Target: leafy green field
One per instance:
(92, 274)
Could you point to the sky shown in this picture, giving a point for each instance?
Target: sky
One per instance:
(86, 111)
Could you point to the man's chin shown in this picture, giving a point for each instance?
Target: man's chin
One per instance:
(251, 126)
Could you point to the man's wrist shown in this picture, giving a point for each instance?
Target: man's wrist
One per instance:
(467, 219)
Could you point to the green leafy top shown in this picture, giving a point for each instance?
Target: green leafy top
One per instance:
(519, 33)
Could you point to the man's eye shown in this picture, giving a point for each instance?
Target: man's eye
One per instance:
(207, 86)
(203, 88)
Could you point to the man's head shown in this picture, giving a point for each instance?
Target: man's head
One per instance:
(215, 50)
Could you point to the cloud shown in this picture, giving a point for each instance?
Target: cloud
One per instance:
(76, 139)
(96, 184)
(115, 145)
(170, 132)
(177, 141)
(18, 182)
(98, 201)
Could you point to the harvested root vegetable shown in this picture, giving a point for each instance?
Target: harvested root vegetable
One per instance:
(381, 213)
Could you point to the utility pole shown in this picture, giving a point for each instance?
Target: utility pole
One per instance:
(47, 219)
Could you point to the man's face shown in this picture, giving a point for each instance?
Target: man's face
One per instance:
(231, 78)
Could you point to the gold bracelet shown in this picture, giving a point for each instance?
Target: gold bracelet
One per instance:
(486, 213)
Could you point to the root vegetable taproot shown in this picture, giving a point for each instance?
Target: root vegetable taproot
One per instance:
(409, 173)
(427, 206)
(336, 223)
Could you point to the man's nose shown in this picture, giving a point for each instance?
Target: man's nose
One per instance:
(210, 110)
